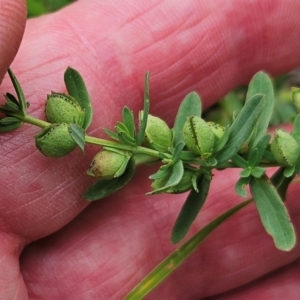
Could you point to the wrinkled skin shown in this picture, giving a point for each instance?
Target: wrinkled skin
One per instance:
(55, 246)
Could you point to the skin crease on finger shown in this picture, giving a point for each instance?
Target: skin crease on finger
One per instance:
(208, 47)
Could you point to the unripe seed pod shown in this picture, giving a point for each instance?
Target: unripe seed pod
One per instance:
(198, 136)
(106, 164)
(217, 129)
(62, 108)
(284, 148)
(55, 140)
(184, 185)
(158, 135)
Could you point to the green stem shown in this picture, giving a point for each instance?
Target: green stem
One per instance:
(35, 121)
(116, 145)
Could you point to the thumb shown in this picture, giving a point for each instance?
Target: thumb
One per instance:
(12, 25)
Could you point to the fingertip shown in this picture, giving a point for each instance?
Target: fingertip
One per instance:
(13, 16)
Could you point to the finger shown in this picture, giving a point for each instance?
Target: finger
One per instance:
(114, 243)
(284, 283)
(12, 25)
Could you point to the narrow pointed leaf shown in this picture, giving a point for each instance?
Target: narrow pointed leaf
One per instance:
(241, 128)
(190, 106)
(9, 121)
(78, 135)
(104, 188)
(18, 90)
(128, 120)
(10, 127)
(111, 134)
(143, 124)
(262, 84)
(190, 209)
(273, 213)
(175, 259)
(77, 89)
(259, 148)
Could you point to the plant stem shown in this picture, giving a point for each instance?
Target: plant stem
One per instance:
(35, 121)
(116, 145)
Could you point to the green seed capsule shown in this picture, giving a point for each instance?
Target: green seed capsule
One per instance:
(62, 108)
(158, 135)
(217, 129)
(106, 164)
(284, 148)
(184, 185)
(198, 136)
(55, 140)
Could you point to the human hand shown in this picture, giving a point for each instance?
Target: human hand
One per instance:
(103, 251)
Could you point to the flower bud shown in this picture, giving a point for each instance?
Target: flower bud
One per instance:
(198, 136)
(184, 185)
(284, 148)
(62, 108)
(55, 140)
(158, 135)
(106, 164)
(217, 129)
(296, 98)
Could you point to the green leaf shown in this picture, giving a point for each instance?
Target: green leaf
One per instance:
(281, 183)
(239, 161)
(190, 209)
(10, 127)
(273, 213)
(245, 173)
(10, 97)
(296, 129)
(77, 89)
(176, 258)
(19, 91)
(111, 134)
(240, 186)
(77, 134)
(220, 144)
(104, 188)
(123, 166)
(190, 106)
(252, 161)
(128, 120)
(241, 128)
(258, 172)
(176, 172)
(289, 171)
(125, 138)
(9, 121)
(261, 84)
(142, 128)
(257, 153)
(163, 172)
(177, 150)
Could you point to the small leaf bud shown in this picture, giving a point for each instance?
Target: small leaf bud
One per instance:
(284, 148)
(198, 136)
(55, 140)
(158, 135)
(184, 185)
(62, 108)
(106, 164)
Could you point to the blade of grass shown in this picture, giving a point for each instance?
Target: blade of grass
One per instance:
(168, 265)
